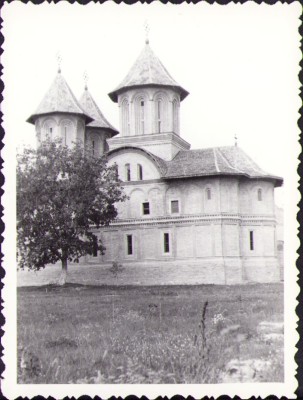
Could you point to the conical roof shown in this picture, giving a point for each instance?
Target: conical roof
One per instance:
(90, 107)
(59, 99)
(147, 70)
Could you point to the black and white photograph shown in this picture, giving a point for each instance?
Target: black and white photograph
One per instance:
(150, 162)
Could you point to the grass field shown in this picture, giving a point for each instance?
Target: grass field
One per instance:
(167, 334)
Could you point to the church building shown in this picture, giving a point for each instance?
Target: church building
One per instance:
(193, 216)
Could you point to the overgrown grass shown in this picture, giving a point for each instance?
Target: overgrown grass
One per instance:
(175, 334)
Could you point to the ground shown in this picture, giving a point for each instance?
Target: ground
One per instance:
(164, 334)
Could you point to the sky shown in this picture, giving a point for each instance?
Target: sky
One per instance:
(238, 62)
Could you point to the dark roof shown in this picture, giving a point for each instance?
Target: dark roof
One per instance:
(59, 99)
(214, 161)
(147, 70)
(229, 160)
(90, 107)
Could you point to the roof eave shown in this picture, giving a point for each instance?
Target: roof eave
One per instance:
(33, 117)
(114, 94)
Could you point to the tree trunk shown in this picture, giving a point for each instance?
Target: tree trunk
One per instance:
(63, 276)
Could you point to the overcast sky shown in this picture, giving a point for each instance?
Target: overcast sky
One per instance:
(238, 62)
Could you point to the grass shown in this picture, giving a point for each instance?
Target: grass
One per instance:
(167, 334)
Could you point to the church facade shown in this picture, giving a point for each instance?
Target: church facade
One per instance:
(192, 216)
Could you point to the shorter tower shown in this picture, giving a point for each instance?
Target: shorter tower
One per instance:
(60, 115)
(99, 130)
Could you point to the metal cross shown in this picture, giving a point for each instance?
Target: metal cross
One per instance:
(236, 142)
(147, 29)
(85, 77)
(59, 60)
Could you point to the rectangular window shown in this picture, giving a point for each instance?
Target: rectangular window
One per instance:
(145, 208)
(251, 240)
(95, 246)
(93, 146)
(129, 239)
(174, 206)
(166, 242)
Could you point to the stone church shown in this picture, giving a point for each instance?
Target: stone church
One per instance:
(193, 216)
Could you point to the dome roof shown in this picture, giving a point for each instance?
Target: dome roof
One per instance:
(90, 107)
(147, 70)
(59, 99)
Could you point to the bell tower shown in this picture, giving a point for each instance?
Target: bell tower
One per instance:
(149, 103)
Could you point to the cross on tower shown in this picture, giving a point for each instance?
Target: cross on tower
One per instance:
(147, 29)
(59, 60)
(85, 77)
(236, 140)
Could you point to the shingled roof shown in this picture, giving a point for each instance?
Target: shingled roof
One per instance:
(147, 70)
(59, 99)
(90, 107)
(229, 160)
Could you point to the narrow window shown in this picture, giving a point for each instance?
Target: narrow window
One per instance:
(125, 117)
(65, 134)
(93, 147)
(95, 246)
(166, 242)
(140, 172)
(142, 117)
(159, 105)
(251, 240)
(50, 130)
(129, 239)
(175, 116)
(145, 208)
(174, 206)
(259, 194)
(208, 194)
(127, 172)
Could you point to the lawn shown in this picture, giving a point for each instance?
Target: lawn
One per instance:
(136, 334)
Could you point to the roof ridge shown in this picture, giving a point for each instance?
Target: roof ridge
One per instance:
(216, 161)
(226, 160)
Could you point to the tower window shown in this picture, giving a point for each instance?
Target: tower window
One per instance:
(145, 208)
(129, 240)
(251, 240)
(166, 242)
(93, 147)
(125, 117)
(175, 116)
(50, 130)
(127, 172)
(174, 206)
(208, 194)
(142, 117)
(159, 115)
(259, 194)
(140, 172)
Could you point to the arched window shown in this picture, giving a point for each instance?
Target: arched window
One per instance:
(259, 194)
(48, 129)
(125, 117)
(159, 113)
(176, 116)
(67, 132)
(140, 115)
(208, 193)
(139, 172)
(127, 173)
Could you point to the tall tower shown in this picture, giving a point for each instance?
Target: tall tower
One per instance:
(99, 130)
(149, 102)
(60, 115)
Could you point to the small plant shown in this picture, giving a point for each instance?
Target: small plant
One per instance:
(116, 269)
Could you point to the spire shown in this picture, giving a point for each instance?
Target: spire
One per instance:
(90, 107)
(147, 70)
(236, 140)
(59, 99)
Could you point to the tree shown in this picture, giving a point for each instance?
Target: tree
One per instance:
(62, 193)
